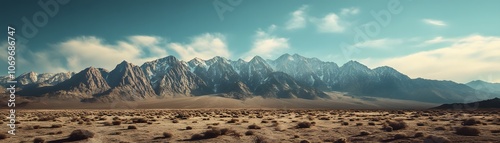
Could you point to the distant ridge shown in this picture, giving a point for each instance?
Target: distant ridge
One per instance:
(485, 104)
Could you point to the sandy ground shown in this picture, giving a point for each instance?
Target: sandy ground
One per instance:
(275, 125)
(218, 119)
(337, 101)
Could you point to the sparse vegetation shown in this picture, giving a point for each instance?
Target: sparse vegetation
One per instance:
(131, 127)
(3, 136)
(280, 125)
(80, 134)
(470, 122)
(397, 125)
(197, 137)
(38, 140)
(304, 124)
(467, 131)
(167, 135)
(253, 126)
(364, 133)
(116, 122)
(400, 136)
(249, 133)
(261, 139)
(436, 139)
(419, 134)
(56, 126)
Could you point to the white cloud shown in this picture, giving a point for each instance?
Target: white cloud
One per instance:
(81, 52)
(434, 22)
(204, 46)
(329, 24)
(267, 45)
(436, 40)
(85, 51)
(298, 19)
(465, 59)
(349, 11)
(379, 43)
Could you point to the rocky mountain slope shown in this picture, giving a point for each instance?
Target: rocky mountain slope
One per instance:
(485, 86)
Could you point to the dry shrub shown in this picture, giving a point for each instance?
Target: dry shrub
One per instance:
(233, 121)
(80, 134)
(212, 133)
(419, 134)
(226, 131)
(324, 118)
(440, 128)
(341, 140)
(115, 133)
(253, 126)
(345, 123)
(304, 125)
(38, 140)
(197, 137)
(261, 139)
(46, 118)
(420, 124)
(56, 126)
(436, 139)
(116, 122)
(304, 141)
(470, 122)
(132, 127)
(107, 123)
(3, 136)
(398, 125)
(36, 127)
(388, 129)
(364, 133)
(495, 131)
(249, 133)
(139, 120)
(400, 136)
(167, 135)
(467, 131)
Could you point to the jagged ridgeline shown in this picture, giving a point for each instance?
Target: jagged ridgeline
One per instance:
(289, 76)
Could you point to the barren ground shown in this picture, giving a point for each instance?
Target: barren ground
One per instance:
(232, 125)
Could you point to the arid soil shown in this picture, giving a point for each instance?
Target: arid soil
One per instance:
(252, 125)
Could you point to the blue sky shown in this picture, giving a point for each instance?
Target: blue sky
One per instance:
(455, 40)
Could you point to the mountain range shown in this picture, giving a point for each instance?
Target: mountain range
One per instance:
(289, 76)
(485, 86)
